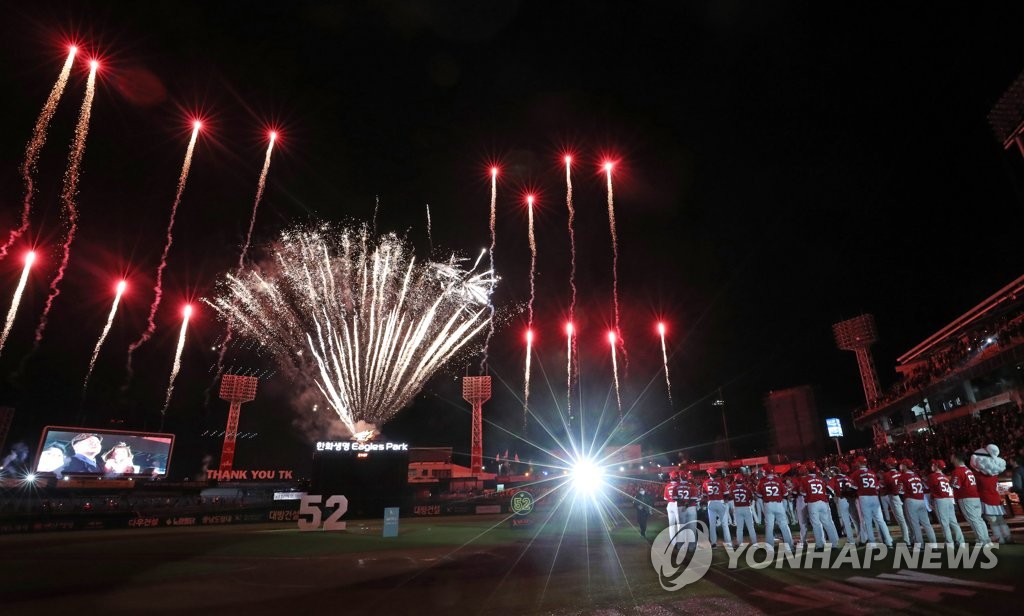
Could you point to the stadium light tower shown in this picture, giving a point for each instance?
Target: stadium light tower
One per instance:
(857, 335)
(236, 389)
(476, 390)
(1007, 116)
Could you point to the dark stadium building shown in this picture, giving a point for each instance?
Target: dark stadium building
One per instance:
(972, 366)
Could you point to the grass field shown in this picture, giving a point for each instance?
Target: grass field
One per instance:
(464, 565)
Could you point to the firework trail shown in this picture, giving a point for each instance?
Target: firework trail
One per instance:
(355, 318)
(664, 357)
(68, 195)
(615, 253)
(176, 366)
(376, 207)
(529, 306)
(35, 145)
(430, 237)
(494, 218)
(29, 259)
(569, 341)
(613, 340)
(260, 185)
(158, 286)
(572, 279)
(526, 380)
(103, 335)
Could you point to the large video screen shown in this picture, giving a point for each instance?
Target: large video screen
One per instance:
(87, 451)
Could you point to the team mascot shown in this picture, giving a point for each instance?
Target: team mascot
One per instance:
(988, 466)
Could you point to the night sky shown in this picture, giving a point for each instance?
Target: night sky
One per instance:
(781, 166)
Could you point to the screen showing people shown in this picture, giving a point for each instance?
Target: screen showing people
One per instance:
(81, 451)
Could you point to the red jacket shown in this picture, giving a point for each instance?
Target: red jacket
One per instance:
(965, 485)
(715, 489)
(741, 495)
(813, 489)
(865, 482)
(911, 486)
(939, 485)
(771, 490)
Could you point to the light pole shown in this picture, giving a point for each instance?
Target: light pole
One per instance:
(720, 403)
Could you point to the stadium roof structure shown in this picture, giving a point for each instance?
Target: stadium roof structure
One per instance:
(992, 306)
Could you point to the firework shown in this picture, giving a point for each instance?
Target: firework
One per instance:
(613, 341)
(29, 259)
(103, 335)
(494, 217)
(526, 376)
(355, 318)
(572, 279)
(430, 237)
(260, 185)
(608, 166)
(569, 342)
(35, 145)
(176, 366)
(664, 357)
(158, 285)
(68, 196)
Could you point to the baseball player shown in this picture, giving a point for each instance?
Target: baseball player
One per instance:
(815, 494)
(772, 493)
(913, 489)
(742, 500)
(867, 485)
(942, 501)
(715, 491)
(800, 502)
(842, 491)
(688, 495)
(670, 503)
(891, 488)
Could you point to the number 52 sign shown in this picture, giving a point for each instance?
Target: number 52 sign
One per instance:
(309, 506)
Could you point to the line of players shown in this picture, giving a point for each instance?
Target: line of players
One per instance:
(864, 502)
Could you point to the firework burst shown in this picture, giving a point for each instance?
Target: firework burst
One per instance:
(355, 317)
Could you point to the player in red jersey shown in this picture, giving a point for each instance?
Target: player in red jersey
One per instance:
(670, 499)
(942, 501)
(815, 493)
(842, 492)
(867, 485)
(965, 490)
(743, 499)
(715, 491)
(687, 496)
(771, 492)
(913, 489)
(891, 499)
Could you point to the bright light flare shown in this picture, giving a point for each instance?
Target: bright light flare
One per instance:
(30, 258)
(94, 65)
(587, 477)
(272, 135)
(176, 366)
(664, 358)
(612, 337)
(608, 166)
(567, 159)
(197, 125)
(569, 329)
(661, 328)
(121, 286)
(187, 310)
(529, 336)
(494, 172)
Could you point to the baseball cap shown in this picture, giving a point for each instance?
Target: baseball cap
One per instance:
(844, 468)
(768, 468)
(907, 462)
(860, 461)
(939, 463)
